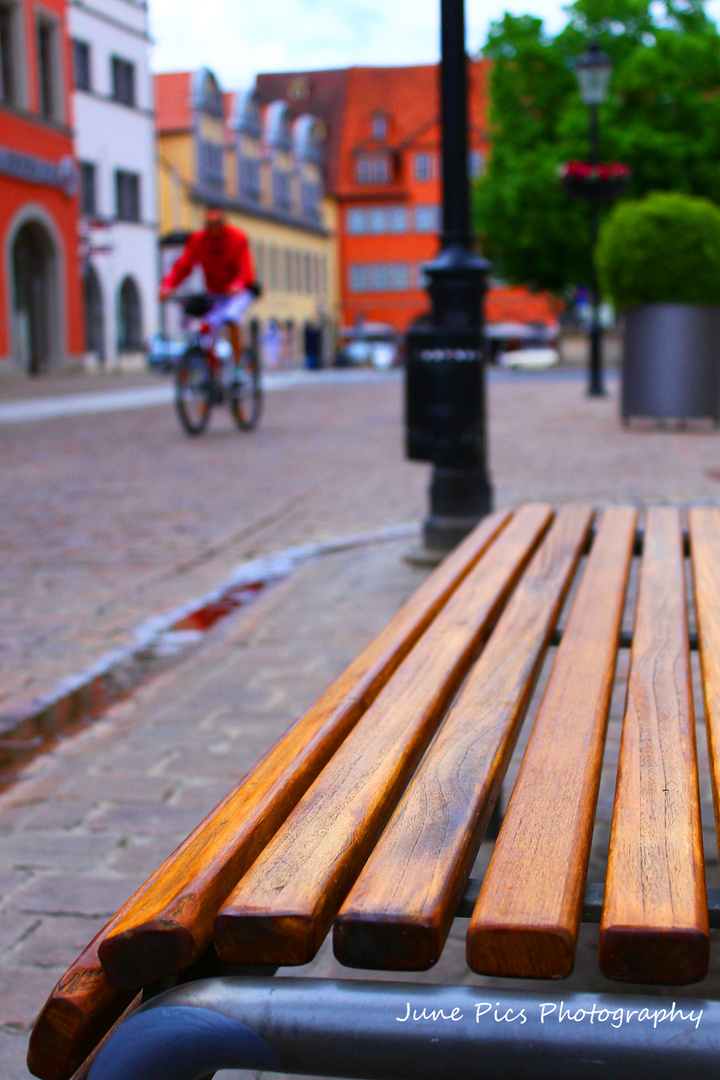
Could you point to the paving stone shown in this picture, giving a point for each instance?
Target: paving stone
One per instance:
(133, 819)
(140, 856)
(74, 894)
(23, 991)
(56, 941)
(45, 848)
(13, 1052)
(124, 786)
(14, 927)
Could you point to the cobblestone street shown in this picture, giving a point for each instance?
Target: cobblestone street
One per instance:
(108, 520)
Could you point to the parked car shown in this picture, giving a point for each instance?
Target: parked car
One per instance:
(522, 345)
(372, 345)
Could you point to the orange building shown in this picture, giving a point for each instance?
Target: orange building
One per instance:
(390, 190)
(41, 319)
(383, 166)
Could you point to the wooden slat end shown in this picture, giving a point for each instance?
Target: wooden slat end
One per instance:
(511, 952)
(146, 953)
(387, 945)
(283, 940)
(674, 957)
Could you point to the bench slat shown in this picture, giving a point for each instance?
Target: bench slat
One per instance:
(183, 895)
(654, 925)
(400, 910)
(281, 911)
(705, 557)
(527, 918)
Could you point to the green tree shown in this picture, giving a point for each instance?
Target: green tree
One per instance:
(662, 118)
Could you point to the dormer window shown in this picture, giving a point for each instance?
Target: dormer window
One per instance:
(373, 169)
(379, 126)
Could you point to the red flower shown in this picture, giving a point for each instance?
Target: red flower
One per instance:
(583, 170)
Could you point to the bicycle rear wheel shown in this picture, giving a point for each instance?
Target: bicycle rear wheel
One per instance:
(193, 391)
(246, 393)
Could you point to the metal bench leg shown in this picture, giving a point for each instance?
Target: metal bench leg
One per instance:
(408, 1032)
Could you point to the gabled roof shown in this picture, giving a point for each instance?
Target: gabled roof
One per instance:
(173, 107)
(320, 93)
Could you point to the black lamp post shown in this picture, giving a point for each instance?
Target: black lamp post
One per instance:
(593, 71)
(445, 388)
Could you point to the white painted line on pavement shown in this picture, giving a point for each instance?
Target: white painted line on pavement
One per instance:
(143, 397)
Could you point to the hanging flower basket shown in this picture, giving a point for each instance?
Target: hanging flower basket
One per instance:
(595, 183)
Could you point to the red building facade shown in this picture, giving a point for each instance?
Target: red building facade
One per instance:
(41, 318)
(390, 187)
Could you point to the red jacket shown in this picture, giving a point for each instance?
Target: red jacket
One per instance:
(226, 261)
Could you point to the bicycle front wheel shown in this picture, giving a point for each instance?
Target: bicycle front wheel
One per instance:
(246, 394)
(193, 391)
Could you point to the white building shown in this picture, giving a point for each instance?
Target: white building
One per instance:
(115, 146)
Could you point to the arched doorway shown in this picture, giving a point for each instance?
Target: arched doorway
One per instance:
(130, 336)
(94, 319)
(35, 289)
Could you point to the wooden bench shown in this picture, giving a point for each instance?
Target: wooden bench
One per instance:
(367, 816)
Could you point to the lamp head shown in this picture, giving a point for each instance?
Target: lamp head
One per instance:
(593, 70)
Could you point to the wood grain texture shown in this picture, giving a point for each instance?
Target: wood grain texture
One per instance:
(528, 914)
(654, 925)
(172, 904)
(399, 912)
(281, 911)
(704, 525)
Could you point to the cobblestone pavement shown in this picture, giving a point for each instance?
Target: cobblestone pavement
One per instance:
(109, 519)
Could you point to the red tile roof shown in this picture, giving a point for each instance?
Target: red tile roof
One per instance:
(410, 98)
(172, 101)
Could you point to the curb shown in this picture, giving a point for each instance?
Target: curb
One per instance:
(82, 698)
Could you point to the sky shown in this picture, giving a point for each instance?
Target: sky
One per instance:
(238, 38)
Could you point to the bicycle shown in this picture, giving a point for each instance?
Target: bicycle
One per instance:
(206, 374)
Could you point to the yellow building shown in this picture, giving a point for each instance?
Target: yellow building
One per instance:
(266, 170)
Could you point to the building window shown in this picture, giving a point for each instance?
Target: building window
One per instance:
(81, 65)
(127, 196)
(379, 277)
(249, 175)
(8, 53)
(379, 126)
(427, 218)
(377, 220)
(310, 195)
(476, 163)
(424, 166)
(88, 189)
(288, 270)
(123, 81)
(281, 189)
(259, 255)
(130, 337)
(373, 169)
(211, 160)
(48, 70)
(274, 271)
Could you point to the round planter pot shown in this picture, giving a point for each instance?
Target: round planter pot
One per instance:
(671, 362)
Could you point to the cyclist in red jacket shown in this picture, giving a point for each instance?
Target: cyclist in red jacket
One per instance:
(224, 254)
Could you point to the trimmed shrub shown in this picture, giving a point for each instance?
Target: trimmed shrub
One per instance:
(662, 249)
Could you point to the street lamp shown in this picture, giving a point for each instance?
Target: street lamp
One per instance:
(445, 379)
(593, 70)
